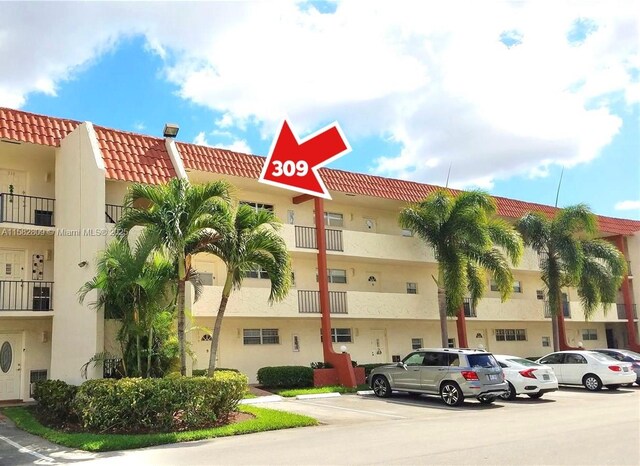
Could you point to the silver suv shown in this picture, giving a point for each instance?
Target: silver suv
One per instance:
(449, 372)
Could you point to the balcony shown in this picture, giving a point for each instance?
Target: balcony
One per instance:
(26, 296)
(309, 302)
(26, 210)
(306, 238)
(622, 314)
(566, 310)
(469, 311)
(112, 213)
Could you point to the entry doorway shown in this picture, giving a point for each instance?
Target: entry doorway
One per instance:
(378, 347)
(10, 366)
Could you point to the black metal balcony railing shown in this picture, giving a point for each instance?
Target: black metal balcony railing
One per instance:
(469, 311)
(26, 210)
(542, 258)
(622, 313)
(306, 238)
(112, 213)
(309, 302)
(26, 295)
(566, 310)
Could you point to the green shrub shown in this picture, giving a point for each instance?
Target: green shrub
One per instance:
(203, 372)
(286, 377)
(369, 367)
(160, 405)
(321, 365)
(54, 399)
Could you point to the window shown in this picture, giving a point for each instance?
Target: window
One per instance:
(339, 335)
(337, 275)
(333, 219)
(436, 359)
(517, 286)
(36, 376)
(589, 334)
(571, 358)
(546, 341)
(258, 206)
(510, 334)
(257, 273)
(416, 343)
(451, 343)
(206, 337)
(395, 358)
(412, 288)
(206, 278)
(414, 359)
(7, 269)
(257, 336)
(555, 358)
(406, 232)
(540, 294)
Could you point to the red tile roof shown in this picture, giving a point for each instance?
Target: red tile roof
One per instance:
(134, 157)
(37, 129)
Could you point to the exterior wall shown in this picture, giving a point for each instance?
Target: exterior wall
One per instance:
(80, 200)
(36, 161)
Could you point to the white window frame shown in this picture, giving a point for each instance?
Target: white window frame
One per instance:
(334, 219)
(511, 334)
(261, 336)
(517, 286)
(257, 206)
(258, 273)
(333, 277)
(417, 343)
(412, 288)
(340, 335)
(589, 334)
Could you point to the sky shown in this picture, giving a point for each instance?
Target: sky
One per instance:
(505, 96)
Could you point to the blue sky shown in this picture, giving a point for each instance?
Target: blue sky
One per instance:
(504, 103)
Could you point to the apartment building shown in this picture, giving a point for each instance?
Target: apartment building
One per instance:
(62, 185)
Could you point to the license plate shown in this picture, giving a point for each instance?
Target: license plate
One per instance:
(493, 377)
(545, 377)
(625, 369)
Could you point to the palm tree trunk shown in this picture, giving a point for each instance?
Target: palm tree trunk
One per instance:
(181, 319)
(442, 309)
(149, 351)
(226, 292)
(138, 355)
(556, 332)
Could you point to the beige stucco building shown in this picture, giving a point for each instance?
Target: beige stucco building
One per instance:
(62, 185)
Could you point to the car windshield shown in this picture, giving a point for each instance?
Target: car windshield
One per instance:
(523, 362)
(603, 358)
(482, 360)
(632, 354)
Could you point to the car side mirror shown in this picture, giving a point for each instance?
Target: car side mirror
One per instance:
(403, 365)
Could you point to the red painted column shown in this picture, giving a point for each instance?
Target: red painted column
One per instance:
(461, 326)
(341, 361)
(628, 305)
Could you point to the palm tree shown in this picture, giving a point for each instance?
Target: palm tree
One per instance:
(462, 230)
(133, 286)
(251, 242)
(186, 219)
(571, 257)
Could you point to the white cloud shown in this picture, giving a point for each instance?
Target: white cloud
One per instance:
(627, 205)
(433, 77)
(236, 145)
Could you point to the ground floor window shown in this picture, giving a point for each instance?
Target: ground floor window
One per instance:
(339, 335)
(451, 342)
(511, 334)
(546, 341)
(416, 343)
(589, 334)
(260, 336)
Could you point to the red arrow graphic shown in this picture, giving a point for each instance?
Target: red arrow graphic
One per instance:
(294, 165)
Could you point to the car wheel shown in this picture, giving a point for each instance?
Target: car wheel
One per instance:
(381, 387)
(486, 400)
(451, 394)
(535, 396)
(511, 394)
(614, 386)
(592, 382)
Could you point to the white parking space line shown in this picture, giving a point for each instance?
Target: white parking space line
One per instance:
(360, 411)
(22, 449)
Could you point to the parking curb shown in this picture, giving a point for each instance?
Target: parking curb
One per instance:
(364, 392)
(317, 395)
(260, 399)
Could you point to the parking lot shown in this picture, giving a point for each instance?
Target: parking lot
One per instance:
(571, 426)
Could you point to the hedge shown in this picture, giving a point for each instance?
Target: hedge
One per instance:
(159, 405)
(54, 399)
(204, 372)
(285, 377)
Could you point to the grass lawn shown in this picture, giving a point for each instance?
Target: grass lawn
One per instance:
(265, 419)
(292, 392)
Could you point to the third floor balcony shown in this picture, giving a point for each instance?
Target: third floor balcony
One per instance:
(26, 210)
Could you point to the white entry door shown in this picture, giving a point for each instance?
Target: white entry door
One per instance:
(378, 347)
(10, 361)
(12, 182)
(11, 272)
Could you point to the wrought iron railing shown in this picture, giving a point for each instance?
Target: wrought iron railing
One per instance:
(622, 313)
(26, 210)
(309, 302)
(306, 238)
(469, 310)
(566, 310)
(112, 213)
(26, 295)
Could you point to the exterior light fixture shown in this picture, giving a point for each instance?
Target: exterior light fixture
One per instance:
(343, 349)
(82, 264)
(170, 130)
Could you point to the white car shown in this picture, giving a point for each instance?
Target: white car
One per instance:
(526, 377)
(589, 368)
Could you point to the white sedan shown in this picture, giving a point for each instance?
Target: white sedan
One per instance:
(588, 368)
(526, 377)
